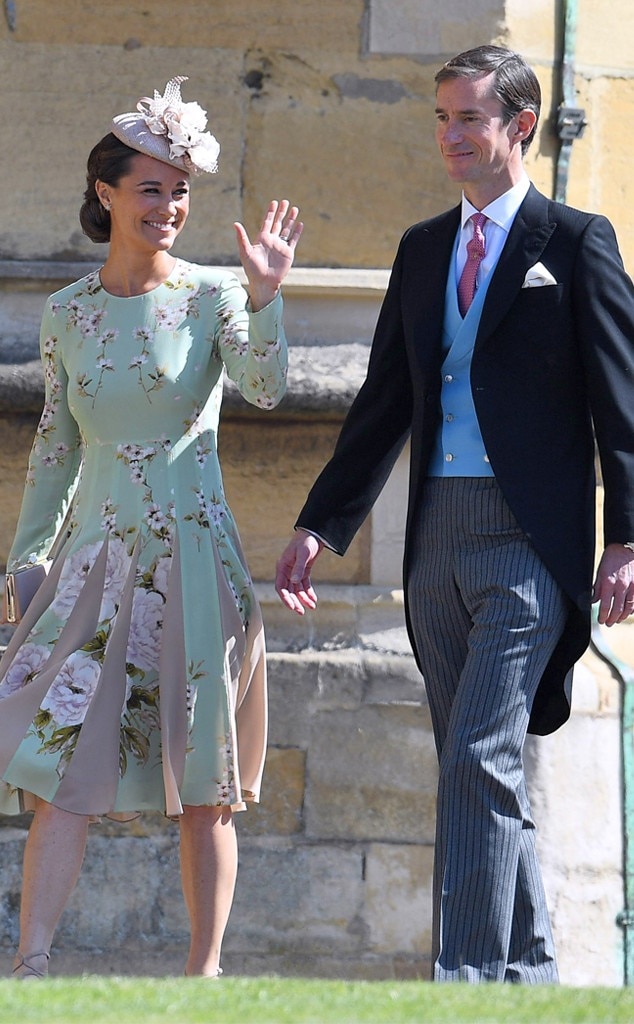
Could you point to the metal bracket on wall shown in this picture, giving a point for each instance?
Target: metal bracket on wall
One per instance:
(571, 122)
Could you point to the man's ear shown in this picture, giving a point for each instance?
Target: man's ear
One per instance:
(524, 122)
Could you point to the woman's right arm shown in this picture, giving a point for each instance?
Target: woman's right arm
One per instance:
(55, 456)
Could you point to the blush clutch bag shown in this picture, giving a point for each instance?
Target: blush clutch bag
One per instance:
(21, 587)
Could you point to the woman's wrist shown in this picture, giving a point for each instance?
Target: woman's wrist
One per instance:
(261, 297)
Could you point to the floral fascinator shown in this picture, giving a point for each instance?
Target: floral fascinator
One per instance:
(170, 130)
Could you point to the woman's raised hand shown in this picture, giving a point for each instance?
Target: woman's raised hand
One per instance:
(269, 257)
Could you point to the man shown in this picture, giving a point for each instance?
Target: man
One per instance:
(503, 374)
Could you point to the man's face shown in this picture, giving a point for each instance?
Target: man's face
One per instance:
(479, 151)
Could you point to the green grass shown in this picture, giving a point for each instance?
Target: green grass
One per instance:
(95, 1000)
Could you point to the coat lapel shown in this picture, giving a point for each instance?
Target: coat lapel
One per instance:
(424, 294)
(527, 240)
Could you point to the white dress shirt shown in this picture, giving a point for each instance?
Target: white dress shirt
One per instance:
(500, 215)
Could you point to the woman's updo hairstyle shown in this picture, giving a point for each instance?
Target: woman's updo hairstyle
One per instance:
(109, 161)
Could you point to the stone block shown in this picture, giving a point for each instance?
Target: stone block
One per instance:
(586, 694)
(268, 468)
(398, 900)
(371, 774)
(292, 686)
(605, 43)
(391, 679)
(360, 124)
(600, 180)
(586, 754)
(340, 680)
(388, 525)
(531, 29)
(128, 893)
(302, 686)
(239, 24)
(11, 851)
(574, 785)
(279, 812)
(306, 899)
(589, 943)
(334, 624)
(20, 326)
(382, 624)
(370, 618)
(16, 438)
(428, 28)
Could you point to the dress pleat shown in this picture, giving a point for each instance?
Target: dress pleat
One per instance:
(173, 689)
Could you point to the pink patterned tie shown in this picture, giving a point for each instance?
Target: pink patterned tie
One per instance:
(475, 253)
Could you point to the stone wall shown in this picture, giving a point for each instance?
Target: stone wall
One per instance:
(329, 103)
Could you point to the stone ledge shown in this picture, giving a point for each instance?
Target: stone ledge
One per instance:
(342, 280)
(323, 389)
(371, 618)
(165, 960)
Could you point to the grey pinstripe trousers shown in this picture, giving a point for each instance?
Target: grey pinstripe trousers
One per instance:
(487, 616)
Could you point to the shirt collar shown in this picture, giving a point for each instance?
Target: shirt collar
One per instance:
(502, 210)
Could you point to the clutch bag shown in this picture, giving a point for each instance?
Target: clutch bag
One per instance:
(21, 587)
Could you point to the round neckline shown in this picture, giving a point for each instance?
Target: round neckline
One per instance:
(140, 295)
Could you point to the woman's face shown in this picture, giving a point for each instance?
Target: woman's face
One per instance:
(148, 206)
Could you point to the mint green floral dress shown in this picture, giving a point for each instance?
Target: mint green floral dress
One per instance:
(136, 679)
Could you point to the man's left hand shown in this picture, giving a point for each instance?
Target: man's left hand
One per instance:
(614, 585)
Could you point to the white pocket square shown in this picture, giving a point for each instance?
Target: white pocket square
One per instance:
(538, 276)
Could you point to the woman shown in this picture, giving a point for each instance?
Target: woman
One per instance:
(136, 678)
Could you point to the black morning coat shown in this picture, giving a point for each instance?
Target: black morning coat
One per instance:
(552, 372)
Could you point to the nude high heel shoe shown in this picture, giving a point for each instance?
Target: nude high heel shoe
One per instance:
(24, 968)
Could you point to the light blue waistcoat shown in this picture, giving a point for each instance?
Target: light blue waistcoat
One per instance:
(459, 449)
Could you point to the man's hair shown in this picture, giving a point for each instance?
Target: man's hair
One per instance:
(514, 82)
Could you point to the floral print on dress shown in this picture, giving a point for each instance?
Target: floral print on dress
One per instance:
(29, 660)
(73, 688)
(128, 441)
(47, 451)
(144, 641)
(75, 573)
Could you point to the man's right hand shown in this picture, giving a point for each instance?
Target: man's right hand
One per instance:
(292, 578)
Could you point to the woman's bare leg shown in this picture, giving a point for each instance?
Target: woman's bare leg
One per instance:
(53, 856)
(209, 865)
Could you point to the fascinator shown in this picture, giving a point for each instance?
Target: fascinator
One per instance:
(170, 130)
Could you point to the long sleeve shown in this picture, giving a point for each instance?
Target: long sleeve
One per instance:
(54, 459)
(252, 345)
(604, 307)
